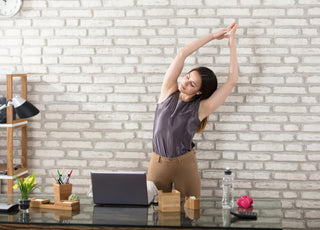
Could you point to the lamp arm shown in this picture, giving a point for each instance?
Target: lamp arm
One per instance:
(3, 106)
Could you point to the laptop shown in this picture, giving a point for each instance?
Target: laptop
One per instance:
(120, 188)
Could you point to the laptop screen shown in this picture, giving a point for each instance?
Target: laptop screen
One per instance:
(129, 188)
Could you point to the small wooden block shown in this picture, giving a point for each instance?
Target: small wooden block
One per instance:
(68, 203)
(61, 205)
(36, 202)
(169, 202)
(192, 203)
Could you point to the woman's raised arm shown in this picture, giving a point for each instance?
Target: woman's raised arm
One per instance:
(170, 84)
(209, 105)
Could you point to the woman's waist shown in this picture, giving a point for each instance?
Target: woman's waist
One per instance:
(174, 157)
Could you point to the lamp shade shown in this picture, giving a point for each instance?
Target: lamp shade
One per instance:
(24, 108)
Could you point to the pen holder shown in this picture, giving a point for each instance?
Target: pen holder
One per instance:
(62, 191)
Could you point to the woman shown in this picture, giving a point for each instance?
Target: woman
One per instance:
(182, 111)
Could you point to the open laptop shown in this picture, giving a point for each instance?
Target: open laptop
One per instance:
(120, 188)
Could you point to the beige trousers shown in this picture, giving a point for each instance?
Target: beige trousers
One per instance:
(181, 171)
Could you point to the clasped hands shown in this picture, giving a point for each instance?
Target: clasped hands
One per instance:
(228, 32)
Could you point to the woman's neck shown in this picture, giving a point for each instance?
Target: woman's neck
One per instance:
(185, 97)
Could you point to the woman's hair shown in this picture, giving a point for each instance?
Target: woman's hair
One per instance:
(209, 84)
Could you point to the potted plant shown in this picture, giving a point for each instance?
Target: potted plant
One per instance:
(26, 186)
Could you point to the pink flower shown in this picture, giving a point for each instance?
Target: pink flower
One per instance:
(245, 202)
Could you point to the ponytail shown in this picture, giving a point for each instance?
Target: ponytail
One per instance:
(209, 85)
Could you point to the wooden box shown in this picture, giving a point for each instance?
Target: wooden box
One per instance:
(36, 202)
(60, 205)
(169, 202)
(192, 203)
(62, 191)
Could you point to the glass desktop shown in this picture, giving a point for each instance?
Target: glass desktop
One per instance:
(210, 215)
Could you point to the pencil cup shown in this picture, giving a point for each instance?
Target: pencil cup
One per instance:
(62, 191)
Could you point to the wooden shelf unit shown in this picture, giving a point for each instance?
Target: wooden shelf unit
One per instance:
(11, 125)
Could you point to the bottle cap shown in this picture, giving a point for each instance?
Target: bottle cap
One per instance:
(228, 171)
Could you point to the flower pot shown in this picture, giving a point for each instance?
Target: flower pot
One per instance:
(24, 204)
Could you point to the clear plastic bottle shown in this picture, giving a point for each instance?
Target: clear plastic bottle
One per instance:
(226, 218)
(227, 189)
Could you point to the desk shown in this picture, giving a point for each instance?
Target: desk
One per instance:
(210, 215)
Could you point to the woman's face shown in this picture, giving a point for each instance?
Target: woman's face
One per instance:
(191, 83)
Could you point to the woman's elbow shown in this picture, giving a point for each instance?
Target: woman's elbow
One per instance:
(233, 80)
(182, 53)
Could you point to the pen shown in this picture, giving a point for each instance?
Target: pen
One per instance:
(65, 180)
(54, 178)
(60, 179)
(69, 175)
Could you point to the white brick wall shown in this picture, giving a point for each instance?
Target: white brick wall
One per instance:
(95, 69)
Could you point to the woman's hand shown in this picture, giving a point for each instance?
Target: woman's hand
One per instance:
(224, 33)
(232, 40)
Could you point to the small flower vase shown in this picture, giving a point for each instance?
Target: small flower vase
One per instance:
(24, 205)
(24, 217)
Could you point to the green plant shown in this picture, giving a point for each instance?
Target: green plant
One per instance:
(26, 186)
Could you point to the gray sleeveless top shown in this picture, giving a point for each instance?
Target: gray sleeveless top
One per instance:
(175, 124)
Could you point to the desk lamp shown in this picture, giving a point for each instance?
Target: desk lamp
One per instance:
(23, 108)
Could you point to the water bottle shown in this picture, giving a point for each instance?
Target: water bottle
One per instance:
(226, 218)
(227, 189)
